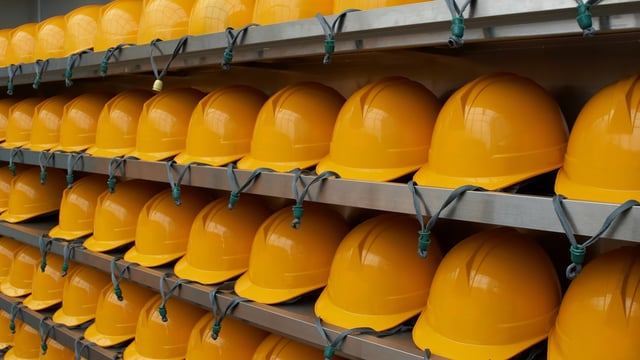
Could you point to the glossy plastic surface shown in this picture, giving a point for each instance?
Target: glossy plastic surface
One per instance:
(50, 38)
(81, 28)
(118, 23)
(20, 123)
(276, 11)
(46, 121)
(211, 16)
(5, 105)
(80, 121)
(46, 285)
(82, 288)
(29, 198)
(22, 44)
(20, 279)
(26, 344)
(8, 250)
(164, 19)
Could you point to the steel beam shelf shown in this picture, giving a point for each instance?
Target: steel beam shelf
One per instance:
(414, 25)
(65, 336)
(294, 320)
(522, 211)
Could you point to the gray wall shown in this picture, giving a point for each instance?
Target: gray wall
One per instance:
(16, 12)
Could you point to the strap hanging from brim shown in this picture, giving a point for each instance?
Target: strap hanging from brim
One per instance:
(330, 32)
(73, 61)
(233, 37)
(79, 346)
(584, 18)
(162, 309)
(14, 154)
(298, 210)
(68, 253)
(116, 163)
(112, 52)
(16, 309)
(236, 188)
(44, 243)
(39, 66)
(175, 184)
(12, 70)
(218, 313)
(159, 74)
(117, 274)
(457, 22)
(44, 158)
(576, 250)
(74, 159)
(45, 330)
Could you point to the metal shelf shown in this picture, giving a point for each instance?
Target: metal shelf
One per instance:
(65, 336)
(522, 211)
(414, 25)
(296, 321)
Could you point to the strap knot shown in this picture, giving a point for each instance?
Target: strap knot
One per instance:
(233, 199)
(298, 211)
(162, 310)
(12, 168)
(584, 19)
(215, 330)
(176, 194)
(578, 252)
(44, 348)
(118, 291)
(111, 183)
(329, 351)
(12, 326)
(227, 57)
(424, 240)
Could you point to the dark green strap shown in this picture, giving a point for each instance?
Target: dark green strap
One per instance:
(39, 66)
(112, 52)
(584, 17)
(117, 274)
(44, 243)
(298, 211)
(12, 70)
(236, 188)
(16, 308)
(44, 158)
(15, 153)
(116, 163)
(330, 32)
(68, 252)
(73, 60)
(175, 184)
(218, 313)
(162, 309)
(232, 39)
(74, 159)
(457, 22)
(45, 330)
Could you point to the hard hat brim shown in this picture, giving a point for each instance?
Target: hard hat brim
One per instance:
(103, 152)
(184, 158)
(58, 233)
(4, 346)
(96, 245)
(13, 291)
(185, 270)
(69, 320)
(130, 353)
(250, 163)
(36, 305)
(152, 156)
(38, 147)
(11, 355)
(133, 255)
(76, 148)
(92, 334)
(327, 311)
(363, 174)
(572, 190)
(246, 288)
(13, 144)
(15, 218)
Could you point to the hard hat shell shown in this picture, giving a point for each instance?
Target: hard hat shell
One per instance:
(81, 26)
(494, 295)
(116, 320)
(237, 340)
(5, 39)
(293, 128)
(82, 287)
(77, 208)
(26, 344)
(5, 105)
(220, 240)
(506, 129)
(164, 19)
(8, 250)
(29, 198)
(341, 5)
(46, 285)
(221, 126)
(276, 11)
(211, 16)
(116, 214)
(597, 317)
(80, 122)
(602, 157)
(118, 123)
(50, 38)
(5, 184)
(160, 340)
(163, 124)
(286, 263)
(20, 122)
(118, 23)
(20, 279)
(6, 337)
(45, 123)
(22, 44)
(56, 351)
(377, 279)
(162, 231)
(383, 131)
(276, 347)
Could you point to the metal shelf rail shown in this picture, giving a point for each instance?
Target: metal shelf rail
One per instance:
(414, 25)
(293, 320)
(522, 211)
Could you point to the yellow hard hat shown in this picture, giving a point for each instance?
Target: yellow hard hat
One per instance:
(46, 285)
(158, 340)
(20, 122)
(294, 128)
(163, 124)
(276, 11)
(602, 157)
(285, 262)
(81, 26)
(116, 214)
(163, 227)
(6, 177)
(29, 198)
(164, 19)
(506, 129)
(26, 344)
(372, 139)
(82, 287)
(57, 351)
(276, 347)
(5, 105)
(220, 241)
(8, 250)
(45, 127)
(77, 208)
(211, 16)
(118, 23)
(20, 279)
(6, 336)
(341, 5)
(80, 121)
(365, 287)
(494, 295)
(237, 340)
(118, 123)
(221, 126)
(597, 318)
(22, 44)
(50, 38)
(116, 320)
(5, 39)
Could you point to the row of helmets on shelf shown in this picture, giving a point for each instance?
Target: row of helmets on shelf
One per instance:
(494, 132)
(100, 27)
(86, 298)
(493, 295)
